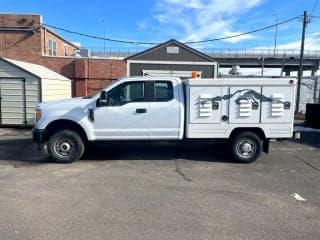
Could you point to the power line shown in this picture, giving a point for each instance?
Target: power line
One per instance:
(97, 37)
(245, 33)
(154, 43)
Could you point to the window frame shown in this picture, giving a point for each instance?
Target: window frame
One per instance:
(123, 85)
(65, 50)
(52, 47)
(173, 50)
(170, 85)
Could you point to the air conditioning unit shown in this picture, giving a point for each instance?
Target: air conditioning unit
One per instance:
(82, 52)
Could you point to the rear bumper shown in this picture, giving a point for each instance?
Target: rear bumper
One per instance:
(38, 135)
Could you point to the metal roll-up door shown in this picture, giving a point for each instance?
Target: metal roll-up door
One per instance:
(12, 101)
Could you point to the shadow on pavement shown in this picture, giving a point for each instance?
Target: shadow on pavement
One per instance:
(195, 151)
(20, 152)
(23, 152)
(308, 138)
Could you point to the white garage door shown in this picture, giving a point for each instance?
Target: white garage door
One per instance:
(12, 101)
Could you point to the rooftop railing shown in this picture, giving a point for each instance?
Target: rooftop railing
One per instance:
(261, 52)
(214, 52)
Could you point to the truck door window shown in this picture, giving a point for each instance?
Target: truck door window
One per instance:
(163, 91)
(126, 93)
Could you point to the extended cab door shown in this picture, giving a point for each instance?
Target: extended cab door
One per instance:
(166, 111)
(126, 115)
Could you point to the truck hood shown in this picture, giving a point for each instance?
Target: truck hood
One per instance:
(65, 104)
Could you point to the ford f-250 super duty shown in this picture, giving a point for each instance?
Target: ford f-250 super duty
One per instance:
(245, 111)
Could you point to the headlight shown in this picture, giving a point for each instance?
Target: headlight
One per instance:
(37, 115)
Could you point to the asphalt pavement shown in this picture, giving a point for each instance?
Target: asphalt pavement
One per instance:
(159, 191)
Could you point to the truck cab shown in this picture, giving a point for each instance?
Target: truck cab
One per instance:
(129, 109)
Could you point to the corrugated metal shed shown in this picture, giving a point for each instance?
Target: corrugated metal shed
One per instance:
(23, 85)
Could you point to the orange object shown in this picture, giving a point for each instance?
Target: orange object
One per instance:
(194, 75)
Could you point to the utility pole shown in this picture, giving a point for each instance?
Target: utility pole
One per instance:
(104, 38)
(300, 72)
(262, 65)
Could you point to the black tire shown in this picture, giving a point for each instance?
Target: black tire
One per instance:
(246, 147)
(65, 146)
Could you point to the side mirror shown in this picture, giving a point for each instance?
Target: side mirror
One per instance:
(103, 100)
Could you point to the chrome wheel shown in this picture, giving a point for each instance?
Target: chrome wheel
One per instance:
(246, 148)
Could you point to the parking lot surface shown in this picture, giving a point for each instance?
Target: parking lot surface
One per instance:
(159, 191)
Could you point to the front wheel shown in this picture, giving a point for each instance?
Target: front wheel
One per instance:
(65, 146)
(246, 147)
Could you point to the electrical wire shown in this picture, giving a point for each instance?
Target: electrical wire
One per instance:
(245, 33)
(154, 43)
(97, 37)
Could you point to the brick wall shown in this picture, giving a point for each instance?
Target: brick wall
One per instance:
(89, 75)
(62, 65)
(97, 73)
(20, 45)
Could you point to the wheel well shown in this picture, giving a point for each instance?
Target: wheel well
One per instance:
(58, 125)
(258, 131)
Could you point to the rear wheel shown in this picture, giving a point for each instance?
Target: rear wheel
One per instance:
(246, 147)
(65, 146)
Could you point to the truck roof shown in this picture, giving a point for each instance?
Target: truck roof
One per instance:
(148, 78)
(241, 81)
(220, 81)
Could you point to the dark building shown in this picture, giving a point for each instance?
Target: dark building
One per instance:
(171, 58)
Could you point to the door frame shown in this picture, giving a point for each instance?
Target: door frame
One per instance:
(147, 98)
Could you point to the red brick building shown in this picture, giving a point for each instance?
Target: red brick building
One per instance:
(90, 74)
(23, 37)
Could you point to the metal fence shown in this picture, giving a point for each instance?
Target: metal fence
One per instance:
(261, 52)
(214, 52)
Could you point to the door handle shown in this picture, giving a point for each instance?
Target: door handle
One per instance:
(141, 110)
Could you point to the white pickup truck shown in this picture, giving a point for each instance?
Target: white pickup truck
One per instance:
(245, 111)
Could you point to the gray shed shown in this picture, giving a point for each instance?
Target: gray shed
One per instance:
(23, 85)
(171, 58)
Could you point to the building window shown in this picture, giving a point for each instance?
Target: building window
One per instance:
(65, 50)
(52, 48)
(174, 50)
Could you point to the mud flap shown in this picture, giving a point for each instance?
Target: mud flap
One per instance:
(42, 148)
(265, 145)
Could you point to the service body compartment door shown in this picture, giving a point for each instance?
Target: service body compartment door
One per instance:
(244, 104)
(205, 104)
(277, 104)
